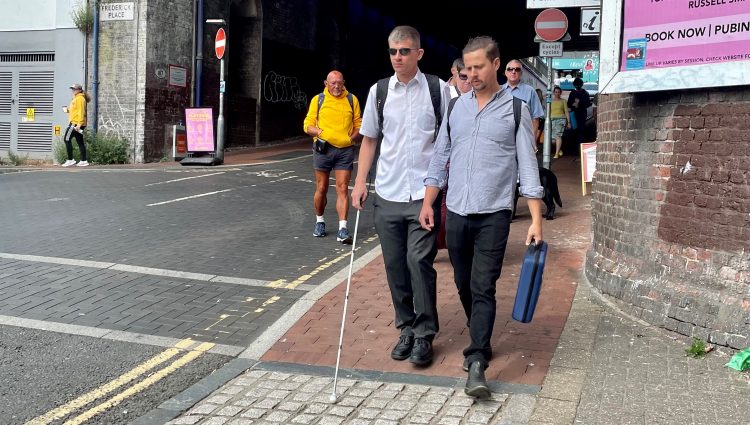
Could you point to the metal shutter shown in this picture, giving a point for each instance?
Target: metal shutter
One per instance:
(6, 91)
(35, 90)
(4, 136)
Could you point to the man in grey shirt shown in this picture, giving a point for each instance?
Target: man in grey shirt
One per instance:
(486, 154)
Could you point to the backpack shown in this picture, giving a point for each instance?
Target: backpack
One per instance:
(321, 98)
(516, 112)
(433, 83)
(381, 93)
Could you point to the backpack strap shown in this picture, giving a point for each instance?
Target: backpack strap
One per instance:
(321, 98)
(350, 98)
(517, 103)
(433, 83)
(380, 94)
(451, 104)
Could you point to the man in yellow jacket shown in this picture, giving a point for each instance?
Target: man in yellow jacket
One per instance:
(333, 121)
(77, 118)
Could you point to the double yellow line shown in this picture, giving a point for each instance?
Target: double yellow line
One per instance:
(122, 380)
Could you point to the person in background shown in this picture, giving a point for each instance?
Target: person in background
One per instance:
(456, 66)
(464, 85)
(486, 155)
(560, 119)
(408, 135)
(525, 92)
(335, 129)
(540, 133)
(77, 123)
(578, 102)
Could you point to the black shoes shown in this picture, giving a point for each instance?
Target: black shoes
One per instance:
(476, 384)
(465, 366)
(403, 349)
(421, 354)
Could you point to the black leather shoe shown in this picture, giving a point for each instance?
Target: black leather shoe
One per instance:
(421, 354)
(476, 385)
(402, 350)
(465, 366)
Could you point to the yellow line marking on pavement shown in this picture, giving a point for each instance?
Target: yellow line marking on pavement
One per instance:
(151, 380)
(304, 278)
(107, 388)
(266, 303)
(277, 283)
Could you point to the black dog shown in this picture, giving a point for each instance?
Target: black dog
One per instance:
(548, 179)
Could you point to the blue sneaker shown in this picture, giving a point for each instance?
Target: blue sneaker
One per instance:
(344, 237)
(320, 230)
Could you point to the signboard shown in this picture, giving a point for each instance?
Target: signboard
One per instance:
(221, 42)
(588, 164)
(552, 50)
(680, 32)
(177, 76)
(591, 20)
(543, 4)
(30, 115)
(674, 44)
(56, 130)
(116, 11)
(551, 24)
(199, 125)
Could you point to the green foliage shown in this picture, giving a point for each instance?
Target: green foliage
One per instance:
(83, 17)
(101, 149)
(697, 349)
(16, 160)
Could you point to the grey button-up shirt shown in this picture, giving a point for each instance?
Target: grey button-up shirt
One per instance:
(485, 156)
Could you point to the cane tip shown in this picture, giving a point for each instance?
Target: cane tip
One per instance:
(332, 398)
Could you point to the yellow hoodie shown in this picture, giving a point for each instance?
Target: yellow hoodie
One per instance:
(77, 110)
(337, 119)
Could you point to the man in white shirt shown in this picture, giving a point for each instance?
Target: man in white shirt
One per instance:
(408, 133)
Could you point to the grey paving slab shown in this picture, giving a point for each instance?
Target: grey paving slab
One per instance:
(223, 313)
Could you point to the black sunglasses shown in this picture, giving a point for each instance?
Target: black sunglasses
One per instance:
(404, 51)
(463, 77)
(511, 69)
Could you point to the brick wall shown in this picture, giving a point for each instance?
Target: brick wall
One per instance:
(671, 210)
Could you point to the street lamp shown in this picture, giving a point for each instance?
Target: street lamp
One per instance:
(222, 85)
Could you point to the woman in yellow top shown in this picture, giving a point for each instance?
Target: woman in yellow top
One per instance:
(77, 118)
(560, 117)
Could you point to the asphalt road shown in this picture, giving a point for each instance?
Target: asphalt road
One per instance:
(130, 266)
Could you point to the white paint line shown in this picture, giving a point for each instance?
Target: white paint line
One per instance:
(551, 24)
(56, 260)
(144, 270)
(184, 178)
(267, 339)
(189, 197)
(162, 272)
(138, 338)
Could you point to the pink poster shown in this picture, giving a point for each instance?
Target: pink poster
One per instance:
(667, 33)
(199, 124)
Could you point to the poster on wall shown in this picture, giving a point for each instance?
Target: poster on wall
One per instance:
(650, 45)
(199, 124)
(672, 33)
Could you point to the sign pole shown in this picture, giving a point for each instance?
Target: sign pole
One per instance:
(220, 120)
(547, 147)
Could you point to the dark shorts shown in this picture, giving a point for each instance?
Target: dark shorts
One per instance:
(334, 159)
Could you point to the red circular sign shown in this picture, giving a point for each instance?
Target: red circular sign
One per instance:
(551, 24)
(221, 42)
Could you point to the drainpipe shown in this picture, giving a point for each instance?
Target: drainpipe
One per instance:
(95, 70)
(192, 59)
(199, 55)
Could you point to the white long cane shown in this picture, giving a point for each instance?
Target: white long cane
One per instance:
(346, 303)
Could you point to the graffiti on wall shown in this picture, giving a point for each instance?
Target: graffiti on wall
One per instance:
(281, 88)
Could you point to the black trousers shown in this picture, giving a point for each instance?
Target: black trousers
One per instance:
(476, 246)
(79, 139)
(409, 253)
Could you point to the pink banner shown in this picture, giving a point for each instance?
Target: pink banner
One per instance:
(199, 124)
(684, 32)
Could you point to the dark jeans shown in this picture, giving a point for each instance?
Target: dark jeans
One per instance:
(476, 246)
(409, 252)
(79, 139)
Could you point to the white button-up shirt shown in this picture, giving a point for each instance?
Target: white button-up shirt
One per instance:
(408, 136)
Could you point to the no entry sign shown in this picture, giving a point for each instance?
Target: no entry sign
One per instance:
(221, 42)
(551, 24)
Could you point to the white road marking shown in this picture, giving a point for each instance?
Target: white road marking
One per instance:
(184, 178)
(189, 197)
(144, 270)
